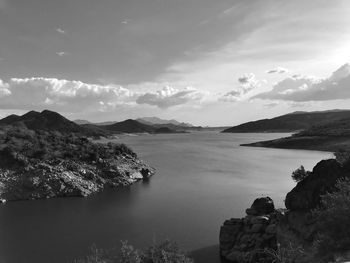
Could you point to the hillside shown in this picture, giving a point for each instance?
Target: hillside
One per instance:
(49, 121)
(38, 164)
(129, 126)
(296, 121)
(333, 136)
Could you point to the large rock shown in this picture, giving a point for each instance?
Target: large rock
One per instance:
(306, 194)
(243, 240)
(263, 205)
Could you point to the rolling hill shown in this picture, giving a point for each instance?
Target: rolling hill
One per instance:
(331, 136)
(129, 126)
(296, 121)
(133, 126)
(50, 121)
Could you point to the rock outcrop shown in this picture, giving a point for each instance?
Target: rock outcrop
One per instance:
(263, 229)
(42, 164)
(247, 239)
(306, 196)
(65, 178)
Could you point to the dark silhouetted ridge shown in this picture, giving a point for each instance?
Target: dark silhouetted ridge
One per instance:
(129, 126)
(50, 121)
(291, 122)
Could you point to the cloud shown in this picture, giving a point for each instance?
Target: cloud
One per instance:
(60, 30)
(279, 70)
(231, 96)
(60, 94)
(62, 53)
(76, 96)
(4, 91)
(247, 82)
(271, 105)
(168, 97)
(303, 88)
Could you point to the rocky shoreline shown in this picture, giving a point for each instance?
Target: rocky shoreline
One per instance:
(38, 164)
(315, 143)
(264, 231)
(64, 178)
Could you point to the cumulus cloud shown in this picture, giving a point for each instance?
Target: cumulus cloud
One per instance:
(300, 88)
(60, 30)
(247, 83)
(62, 53)
(271, 105)
(278, 70)
(231, 96)
(60, 94)
(126, 21)
(4, 91)
(76, 96)
(169, 96)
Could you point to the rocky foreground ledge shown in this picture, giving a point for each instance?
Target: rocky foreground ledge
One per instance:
(41, 164)
(247, 239)
(266, 234)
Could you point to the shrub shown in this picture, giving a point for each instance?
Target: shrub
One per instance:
(342, 156)
(39, 145)
(333, 217)
(300, 174)
(164, 252)
(128, 254)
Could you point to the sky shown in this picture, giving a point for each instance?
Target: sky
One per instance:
(206, 62)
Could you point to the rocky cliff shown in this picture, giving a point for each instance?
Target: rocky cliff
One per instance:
(265, 233)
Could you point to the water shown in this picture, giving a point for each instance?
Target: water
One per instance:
(201, 180)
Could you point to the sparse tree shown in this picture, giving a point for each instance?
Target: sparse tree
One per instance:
(300, 174)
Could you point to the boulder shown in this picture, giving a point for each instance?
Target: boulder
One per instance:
(242, 238)
(306, 194)
(263, 205)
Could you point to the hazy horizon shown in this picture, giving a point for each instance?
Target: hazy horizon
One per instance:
(211, 63)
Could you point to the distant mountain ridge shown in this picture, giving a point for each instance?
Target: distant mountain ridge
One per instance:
(129, 126)
(156, 120)
(291, 122)
(141, 125)
(49, 121)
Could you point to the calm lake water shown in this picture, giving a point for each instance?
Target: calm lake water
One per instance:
(201, 180)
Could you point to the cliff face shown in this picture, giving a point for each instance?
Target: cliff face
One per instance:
(250, 240)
